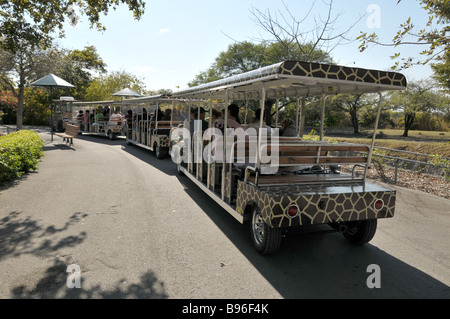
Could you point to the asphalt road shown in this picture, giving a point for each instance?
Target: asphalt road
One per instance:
(136, 229)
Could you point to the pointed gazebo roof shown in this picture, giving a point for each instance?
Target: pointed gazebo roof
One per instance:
(127, 92)
(53, 81)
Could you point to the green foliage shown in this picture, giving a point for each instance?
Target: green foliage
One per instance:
(19, 153)
(311, 136)
(444, 163)
(102, 87)
(433, 36)
(36, 109)
(36, 21)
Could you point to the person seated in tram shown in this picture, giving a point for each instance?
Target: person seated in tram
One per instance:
(232, 121)
(167, 115)
(203, 123)
(288, 128)
(256, 121)
(115, 117)
(86, 119)
(79, 119)
(215, 115)
(106, 114)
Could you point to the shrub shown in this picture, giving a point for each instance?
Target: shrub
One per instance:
(19, 153)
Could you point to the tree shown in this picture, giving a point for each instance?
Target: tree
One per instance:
(245, 56)
(418, 97)
(102, 87)
(28, 64)
(435, 41)
(19, 63)
(308, 40)
(36, 21)
(78, 67)
(27, 27)
(352, 104)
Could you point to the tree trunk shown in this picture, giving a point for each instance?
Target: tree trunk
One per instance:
(20, 100)
(354, 116)
(409, 121)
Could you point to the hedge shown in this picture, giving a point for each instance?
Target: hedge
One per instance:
(19, 153)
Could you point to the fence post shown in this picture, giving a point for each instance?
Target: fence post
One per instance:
(396, 171)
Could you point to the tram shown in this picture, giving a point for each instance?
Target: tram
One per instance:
(150, 123)
(276, 183)
(104, 118)
(280, 183)
(62, 112)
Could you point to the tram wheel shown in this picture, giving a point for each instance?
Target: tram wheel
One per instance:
(160, 152)
(360, 232)
(266, 240)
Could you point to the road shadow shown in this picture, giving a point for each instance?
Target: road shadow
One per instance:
(58, 147)
(317, 264)
(54, 285)
(24, 235)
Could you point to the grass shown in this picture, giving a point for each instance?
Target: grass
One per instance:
(425, 142)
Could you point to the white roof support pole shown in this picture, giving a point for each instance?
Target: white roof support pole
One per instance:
(210, 126)
(276, 110)
(224, 157)
(302, 117)
(380, 102)
(322, 117)
(262, 106)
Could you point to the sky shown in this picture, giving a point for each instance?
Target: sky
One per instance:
(177, 39)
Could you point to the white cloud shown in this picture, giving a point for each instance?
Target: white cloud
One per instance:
(162, 31)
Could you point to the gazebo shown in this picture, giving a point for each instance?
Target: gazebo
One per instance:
(52, 81)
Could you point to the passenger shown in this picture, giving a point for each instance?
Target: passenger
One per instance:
(106, 114)
(99, 115)
(115, 117)
(129, 119)
(288, 128)
(204, 124)
(215, 115)
(80, 119)
(256, 122)
(160, 115)
(232, 121)
(191, 117)
(80, 115)
(167, 115)
(86, 118)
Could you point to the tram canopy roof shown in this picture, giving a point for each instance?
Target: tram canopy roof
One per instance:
(297, 79)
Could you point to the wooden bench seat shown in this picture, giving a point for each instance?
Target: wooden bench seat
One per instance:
(70, 133)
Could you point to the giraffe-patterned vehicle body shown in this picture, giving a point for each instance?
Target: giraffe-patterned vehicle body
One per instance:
(315, 182)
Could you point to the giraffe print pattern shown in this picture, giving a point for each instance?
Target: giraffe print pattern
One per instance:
(318, 204)
(307, 70)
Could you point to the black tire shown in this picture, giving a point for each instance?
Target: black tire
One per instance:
(265, 239)
(111, 135)
(161, 153)
(360, 232)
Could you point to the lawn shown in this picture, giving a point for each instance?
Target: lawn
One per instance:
(425, 142)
